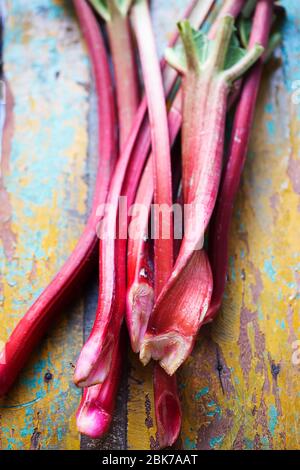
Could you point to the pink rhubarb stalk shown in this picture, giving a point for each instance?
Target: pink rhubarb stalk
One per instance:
(97, 406)
(209, 70)
(115, 13)
(231, 8)
(34, 324)
(95, 358)
(94, 361)
(140, 288)
(161, 155)
(165, 388)
(167, 407)
(219, 230)
(140, 278)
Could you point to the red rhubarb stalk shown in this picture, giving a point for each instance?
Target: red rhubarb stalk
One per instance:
(161, 155)
(140, 297)
(95, 358)
(97, 404)
(167, 407)
(231, 8)
(94, 361)
(219, 230)
(115, 13)
(96, 409)
(140, 292)
(34, 324)
(165, 388)
(209, 69)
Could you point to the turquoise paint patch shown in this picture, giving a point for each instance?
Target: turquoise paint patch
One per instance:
(269, 108)
(216, 441)
(273, 419)
(201, 393)
(280, 323)
(248, 444)
(271, 128)
(265, 443)
(189, 444)
(291, 43)
(215, 412)
(270, 270)
(211, 403)
(232, 268)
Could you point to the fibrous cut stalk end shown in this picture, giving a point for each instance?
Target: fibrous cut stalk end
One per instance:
(167, 407)
(140, 303)
(170, 350)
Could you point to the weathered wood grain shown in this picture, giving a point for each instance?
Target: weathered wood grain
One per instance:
(43, 207)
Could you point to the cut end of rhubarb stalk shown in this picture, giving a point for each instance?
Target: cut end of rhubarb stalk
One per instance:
(94, 362)
(170, 349)
(140, 305)
(168, 416)
(167, 407)
(91, 419)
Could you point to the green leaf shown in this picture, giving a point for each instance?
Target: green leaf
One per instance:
(122, 5)
(101, 8)
(106, 8)
(176, 56)
(235, 52)
(199, 48)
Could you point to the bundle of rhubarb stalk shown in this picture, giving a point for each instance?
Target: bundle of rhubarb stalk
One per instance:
(167, 178)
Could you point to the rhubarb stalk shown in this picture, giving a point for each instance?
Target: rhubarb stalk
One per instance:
(34, 324)
(219, 230)
(163, 246)
(140, 297)
(165, 388)
(209, 69)
(94, 361)
(115, 13)
(96, 409)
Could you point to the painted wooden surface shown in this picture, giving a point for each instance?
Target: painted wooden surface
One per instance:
(241, 387)
(43, 205)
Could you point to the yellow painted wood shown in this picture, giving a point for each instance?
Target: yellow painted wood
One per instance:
(45, 195)
(141, 428)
